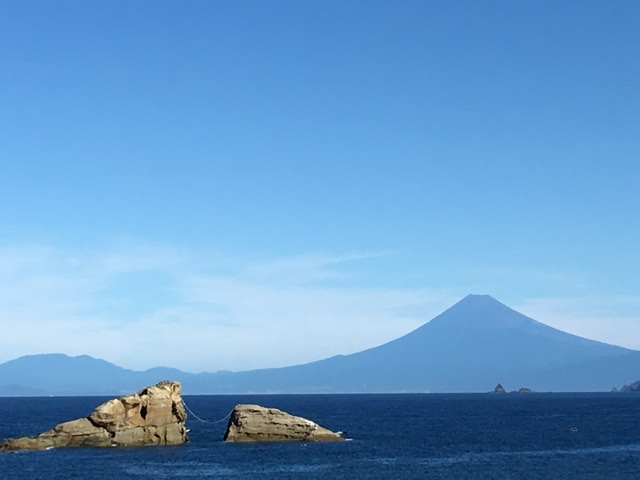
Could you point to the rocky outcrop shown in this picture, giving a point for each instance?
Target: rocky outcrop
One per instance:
(152, 416)
(253, 423)
(499, 389)
(633, 387)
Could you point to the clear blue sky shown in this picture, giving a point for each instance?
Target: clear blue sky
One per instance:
(266, 183)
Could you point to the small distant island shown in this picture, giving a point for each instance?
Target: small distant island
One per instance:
(500, 389)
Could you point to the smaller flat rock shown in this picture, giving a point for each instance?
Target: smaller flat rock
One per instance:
(254, 423)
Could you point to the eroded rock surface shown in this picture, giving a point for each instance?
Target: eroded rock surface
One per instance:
(152, 416)
(253, 423)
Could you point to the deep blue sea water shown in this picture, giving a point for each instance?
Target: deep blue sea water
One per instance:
(421, 436)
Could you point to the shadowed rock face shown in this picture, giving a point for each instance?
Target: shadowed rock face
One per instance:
(152, 416)
(253, 423)
(633, 387)
(499, 389)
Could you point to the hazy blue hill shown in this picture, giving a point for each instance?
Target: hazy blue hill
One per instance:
(58, 374)
(470, 347)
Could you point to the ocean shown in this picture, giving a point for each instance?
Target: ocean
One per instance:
(404, 436)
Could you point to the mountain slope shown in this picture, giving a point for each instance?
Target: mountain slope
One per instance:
(470, 347)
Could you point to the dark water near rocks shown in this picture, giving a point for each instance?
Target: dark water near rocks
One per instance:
(537, 436)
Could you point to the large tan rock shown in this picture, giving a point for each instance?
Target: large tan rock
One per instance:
(253, 423)
(152, 416)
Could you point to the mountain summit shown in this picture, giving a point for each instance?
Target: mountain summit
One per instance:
(480, 323)
(474, 310)
(472, 346)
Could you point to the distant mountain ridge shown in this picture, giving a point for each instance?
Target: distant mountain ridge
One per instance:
(470, 347)
(59, 374)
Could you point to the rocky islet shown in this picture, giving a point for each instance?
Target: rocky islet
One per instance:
(254, 423)
(152, 416)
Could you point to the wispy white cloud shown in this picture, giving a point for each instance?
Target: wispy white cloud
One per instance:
(303, 269)
(142, 305)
